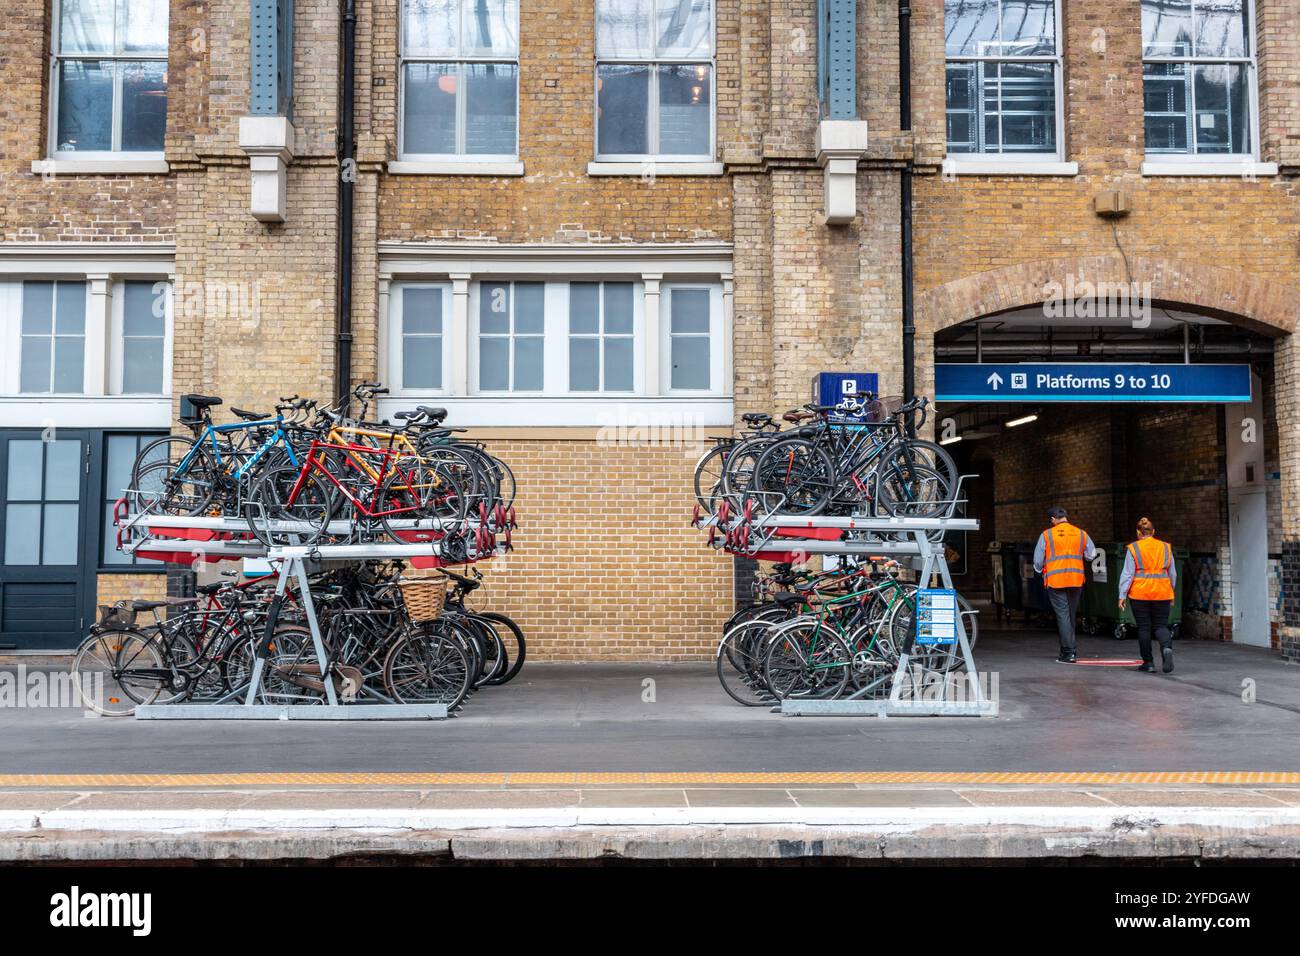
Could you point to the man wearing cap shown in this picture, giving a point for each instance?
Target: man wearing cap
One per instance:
(1060, 555)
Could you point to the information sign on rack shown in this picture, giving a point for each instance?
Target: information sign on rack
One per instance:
(936, 616)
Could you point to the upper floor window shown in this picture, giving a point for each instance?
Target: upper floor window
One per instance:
(109, 80)
(654, 80)
(1003, 77)
(460, 79)
(1198, 66)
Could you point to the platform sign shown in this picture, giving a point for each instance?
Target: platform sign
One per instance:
(936, 616)
(834, 388)
(1091, 382)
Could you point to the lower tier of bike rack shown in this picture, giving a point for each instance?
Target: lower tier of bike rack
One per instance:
(242, 702)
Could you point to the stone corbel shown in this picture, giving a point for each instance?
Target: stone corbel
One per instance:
(268, 141)
(840, 144)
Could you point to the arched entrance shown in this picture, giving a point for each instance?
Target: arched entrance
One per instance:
(1207, 468)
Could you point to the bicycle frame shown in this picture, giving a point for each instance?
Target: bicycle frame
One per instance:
(211, 432)
(314, 461)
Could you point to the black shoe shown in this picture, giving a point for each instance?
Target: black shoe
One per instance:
(1168, 654)
(1147, 667)
(1066, 657)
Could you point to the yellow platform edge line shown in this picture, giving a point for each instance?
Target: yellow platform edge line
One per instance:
(653, 779)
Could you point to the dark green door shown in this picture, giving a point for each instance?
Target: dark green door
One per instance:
(46, 578)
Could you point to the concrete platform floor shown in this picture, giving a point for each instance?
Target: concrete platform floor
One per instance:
(1225, 708)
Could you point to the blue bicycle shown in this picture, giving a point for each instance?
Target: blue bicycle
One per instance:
(208, 471)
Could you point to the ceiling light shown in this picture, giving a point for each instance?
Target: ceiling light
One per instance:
(1022, 421)
(950, 441)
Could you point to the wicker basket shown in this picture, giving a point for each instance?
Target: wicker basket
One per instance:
(424, 597)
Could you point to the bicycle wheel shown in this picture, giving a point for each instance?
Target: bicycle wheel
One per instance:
(418, 497)
(171, 448)
(739, 663)
(793, 476)
(512, 639)
(806, 660)
(280, 517)
(428, 664)
(906, 489)
(708, 477)
(116, 671)
(162, 489)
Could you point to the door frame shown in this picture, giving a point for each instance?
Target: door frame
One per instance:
(85, 571)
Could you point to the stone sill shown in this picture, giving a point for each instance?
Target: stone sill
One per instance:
(654, 167)
(92, 167)
(450, 167)
(963, 167)
(1244, 168)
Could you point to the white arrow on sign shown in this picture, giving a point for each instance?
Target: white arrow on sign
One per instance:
(995, 380)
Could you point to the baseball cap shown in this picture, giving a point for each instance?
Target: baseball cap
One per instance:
(1057, 512)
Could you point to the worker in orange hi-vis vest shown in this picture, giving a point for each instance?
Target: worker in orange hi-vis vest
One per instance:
(1147, 581)
(1061, 556)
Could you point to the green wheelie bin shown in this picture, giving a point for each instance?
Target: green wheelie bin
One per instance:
(1099, 611)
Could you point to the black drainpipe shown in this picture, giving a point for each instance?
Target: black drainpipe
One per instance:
(905, 124)
(347, 176)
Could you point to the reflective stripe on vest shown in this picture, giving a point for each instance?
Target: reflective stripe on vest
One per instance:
(1152, 560)
(1063, 565)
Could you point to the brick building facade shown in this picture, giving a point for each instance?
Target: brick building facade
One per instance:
(507, 166)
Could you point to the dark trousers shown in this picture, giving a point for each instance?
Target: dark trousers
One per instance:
(1065, 604)
(1152, 616)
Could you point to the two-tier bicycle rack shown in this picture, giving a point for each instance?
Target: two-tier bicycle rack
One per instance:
(429, 543)
(758, 530)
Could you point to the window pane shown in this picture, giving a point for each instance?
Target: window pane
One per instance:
(1166, 99)
(144, 26)
(623, 28)
(690, 361)
(421, 311)
(120, 453)
(430, 27)
(528, 363)
(618, 308)
(618, 365)
(1221, 29)
(962, 126)
(144, 105)
(490, 27)
(26, 466)
(429, 115)
(1028, 27)
(1166, 27)
(422, 361)
(1028, 107)
(584, 301)
(86, 26)
(59, 534)
(494, 364)
(623, 102)
(584, 365)
(38, 308)
(494, 307)
(683, 28)
(22, 534)
(530, 307)
(63, 470)
(970, 27)
(490, 108)
(85, 106)
(690, 310)
(69, 364)
(70, 308)
(1221, 110)
(684, 110)
(35, 364)
(142, 366)
(143, 309)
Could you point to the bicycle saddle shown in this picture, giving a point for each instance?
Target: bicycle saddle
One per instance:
(756, 418)
(436, 415)
(166, 602)
(247, 415)
(787, 598)
(202, 401)
(206, 589)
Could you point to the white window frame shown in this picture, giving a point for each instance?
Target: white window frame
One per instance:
(147, 160)
(600, 336)
(17, 344)
(1045, 163)
(549, 358)
(1226, 163)
(452, 162)
(717, 357)
(396, 336)
(117, 339)
(652, 104)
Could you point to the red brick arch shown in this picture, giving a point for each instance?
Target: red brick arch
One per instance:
(1247, 300)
